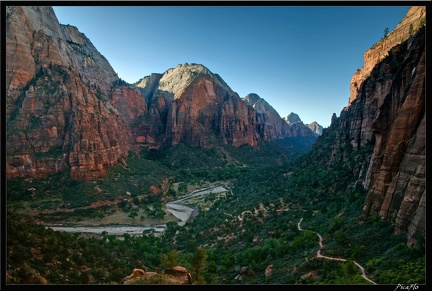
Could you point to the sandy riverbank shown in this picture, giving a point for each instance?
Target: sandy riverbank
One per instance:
(178, 212)
(109, 229)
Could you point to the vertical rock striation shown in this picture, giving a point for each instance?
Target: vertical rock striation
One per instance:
(388, 113)
(67, 110)
(413, 20)
(190, 104)
(272, 124)
(396, 176)
(316, 128)
(58, 111)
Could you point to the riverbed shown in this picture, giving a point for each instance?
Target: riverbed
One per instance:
(178, 208)
(110, 229)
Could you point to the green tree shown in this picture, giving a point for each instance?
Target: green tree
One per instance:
(198, 265)
(169, 260)
(386, 32)
(171, 192)
(133, 214)
(341, 237)
(349, 268)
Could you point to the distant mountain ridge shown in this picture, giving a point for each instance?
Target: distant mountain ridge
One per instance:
(294, 120)
(315, 127)
(67, 110)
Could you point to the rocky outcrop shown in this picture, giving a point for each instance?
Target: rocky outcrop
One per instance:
(396, 176)
(292, 118)
(58, 112)
(296, 126)
(244, 273)
(388, 113)
(205, 111)
(268, 271)
(316, 128)
(275, 126)
(67, 110)
(148, 85)
(190, 104)
(174, 275)
(413, 20)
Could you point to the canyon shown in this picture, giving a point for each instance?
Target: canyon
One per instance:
(68, 111)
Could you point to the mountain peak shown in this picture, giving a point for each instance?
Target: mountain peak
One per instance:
(315, 127)
(190, 67)
(292, 118)
(175, 80)
(251, 98)
(260, 105)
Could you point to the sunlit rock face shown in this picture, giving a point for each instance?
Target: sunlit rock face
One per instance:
(413, 20)
(192, 105)
(297, 127)
(315, 127)
(67, 110)
(292, 118)
(58, 111)
(276, 127)
(196, 107)
(388, 113)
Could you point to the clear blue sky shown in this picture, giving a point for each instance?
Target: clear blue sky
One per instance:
(298, 58)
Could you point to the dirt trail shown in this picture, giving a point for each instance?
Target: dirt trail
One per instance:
(333, 258)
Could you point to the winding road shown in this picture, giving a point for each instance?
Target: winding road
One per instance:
(332, 258)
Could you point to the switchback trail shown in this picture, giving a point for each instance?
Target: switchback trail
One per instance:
(332, 258)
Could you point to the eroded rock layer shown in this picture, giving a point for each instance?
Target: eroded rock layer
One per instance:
(67, 110)
(58, 112)
(389, 114)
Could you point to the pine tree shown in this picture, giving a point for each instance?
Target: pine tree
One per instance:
(198, 264)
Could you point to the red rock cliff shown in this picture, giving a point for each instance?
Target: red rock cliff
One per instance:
(58, 113)
(67, 110)
(190, 104)
(388, 113)
(413, 20)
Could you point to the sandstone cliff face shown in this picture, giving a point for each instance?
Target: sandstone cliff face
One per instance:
(58, 114)
(148, 85)
(296, 126)
(292, 118)
(315, 127)
(396, 175)
(276, 127)
(413, 20)
(388, 113)
(190, 104)
(67, 110)
(203, 110)
(196, 110)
